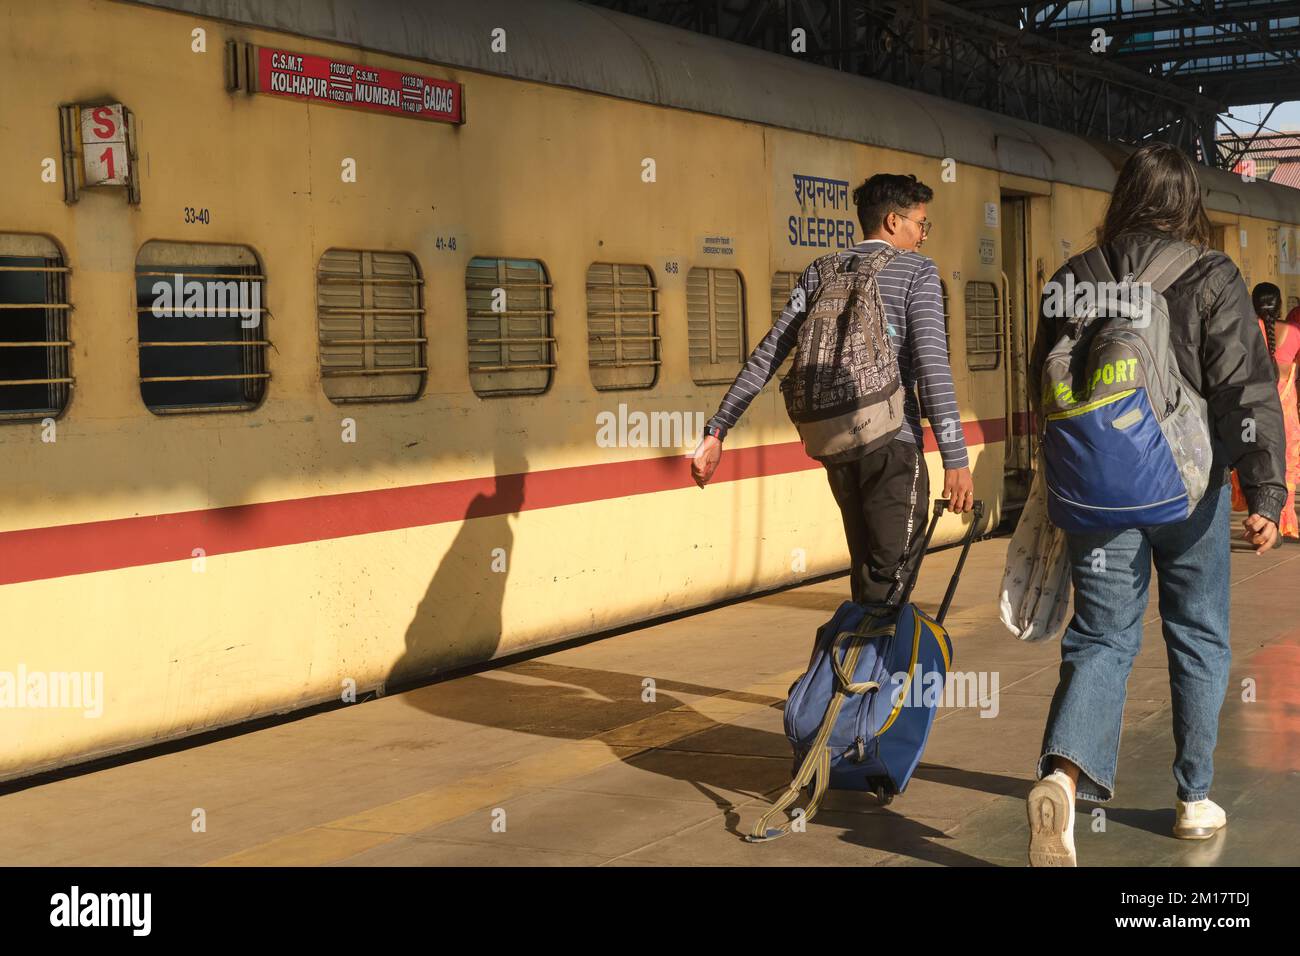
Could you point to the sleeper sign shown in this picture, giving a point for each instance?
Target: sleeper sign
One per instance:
(823, 219)
(103, 145)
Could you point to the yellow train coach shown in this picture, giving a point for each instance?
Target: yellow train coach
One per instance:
(343, 344)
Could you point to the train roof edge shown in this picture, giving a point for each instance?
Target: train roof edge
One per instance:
(571, 44)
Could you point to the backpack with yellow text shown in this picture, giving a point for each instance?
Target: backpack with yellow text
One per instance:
(1125, 438)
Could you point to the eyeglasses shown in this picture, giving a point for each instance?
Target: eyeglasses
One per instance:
(925, 224)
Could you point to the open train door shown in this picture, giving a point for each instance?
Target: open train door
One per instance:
(1019, 297)
(1030, 255)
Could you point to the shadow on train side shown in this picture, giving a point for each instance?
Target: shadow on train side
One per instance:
(458, 622)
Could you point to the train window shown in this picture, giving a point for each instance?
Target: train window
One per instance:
(510, 340)
(371, 326)
(983, 326)
(715, 324)
(202, 327)
(34, 374)
(947, 333)
(622, 326)
(783, 284)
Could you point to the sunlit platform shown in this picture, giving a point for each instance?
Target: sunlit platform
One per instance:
(662, 745)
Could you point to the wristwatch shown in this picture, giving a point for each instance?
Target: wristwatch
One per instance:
(715, 431)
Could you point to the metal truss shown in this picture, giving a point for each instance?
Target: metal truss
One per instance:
(1039, 61)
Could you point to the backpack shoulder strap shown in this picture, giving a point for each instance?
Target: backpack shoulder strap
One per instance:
(877, 259)
(865, 266)
(1091, 266)
(1088, 267)
(827, 266)
(1170, 263)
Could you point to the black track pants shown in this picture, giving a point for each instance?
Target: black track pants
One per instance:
(884, 501)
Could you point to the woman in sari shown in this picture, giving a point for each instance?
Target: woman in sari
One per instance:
(1283, 344)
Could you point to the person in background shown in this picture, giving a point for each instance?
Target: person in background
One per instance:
(1223, 357)
(883, 496)
(1292, 321)
(1283, 343)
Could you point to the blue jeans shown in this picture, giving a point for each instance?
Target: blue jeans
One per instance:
(1105, 634)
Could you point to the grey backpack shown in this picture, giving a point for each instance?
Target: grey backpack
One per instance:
(1126, 440)
(844, 390)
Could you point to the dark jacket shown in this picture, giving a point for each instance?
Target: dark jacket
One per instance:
(1220, 351)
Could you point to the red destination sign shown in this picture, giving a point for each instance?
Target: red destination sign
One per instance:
(323, 80)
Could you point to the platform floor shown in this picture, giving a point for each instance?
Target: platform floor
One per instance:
(563, 749)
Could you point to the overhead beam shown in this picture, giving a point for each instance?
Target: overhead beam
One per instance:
(1086, 62)
(974, 53)
(1161, 18)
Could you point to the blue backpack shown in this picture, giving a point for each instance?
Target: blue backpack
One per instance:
(1125, 437)
(860, 716)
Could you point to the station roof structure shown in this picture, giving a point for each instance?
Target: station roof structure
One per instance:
(1129, 71)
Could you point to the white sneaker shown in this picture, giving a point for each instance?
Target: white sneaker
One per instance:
(1051, 821)
(1199, 820)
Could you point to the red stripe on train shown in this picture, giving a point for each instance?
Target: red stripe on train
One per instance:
(984, 431)
(36, 554)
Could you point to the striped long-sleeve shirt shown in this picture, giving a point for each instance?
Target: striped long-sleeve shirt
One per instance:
(913, 300)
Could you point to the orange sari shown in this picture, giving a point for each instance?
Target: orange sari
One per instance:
(1288, 344)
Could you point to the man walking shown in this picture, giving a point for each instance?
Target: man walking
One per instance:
(882, 493)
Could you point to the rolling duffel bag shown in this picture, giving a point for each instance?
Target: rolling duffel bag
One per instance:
(860, 716)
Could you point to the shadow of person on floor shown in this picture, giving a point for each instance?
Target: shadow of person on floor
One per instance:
(736, 767)
(995, 783)
(895, 833)
(459, 622)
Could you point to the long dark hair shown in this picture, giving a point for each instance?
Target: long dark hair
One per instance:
(1157, 191)
(1267, 299)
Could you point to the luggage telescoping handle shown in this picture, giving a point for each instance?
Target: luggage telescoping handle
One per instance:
(940, 504)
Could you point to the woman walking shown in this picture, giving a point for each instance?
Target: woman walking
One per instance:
(1220, 353)
(1283, 340)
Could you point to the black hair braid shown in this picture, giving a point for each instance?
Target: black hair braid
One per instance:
(1267, 299)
